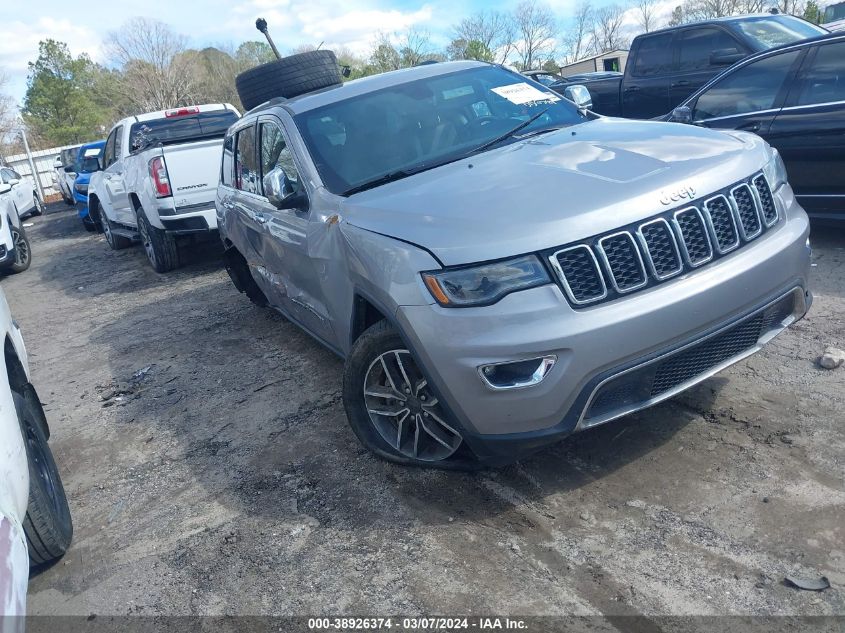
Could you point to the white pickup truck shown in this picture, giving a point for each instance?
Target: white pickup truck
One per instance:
(159, 178)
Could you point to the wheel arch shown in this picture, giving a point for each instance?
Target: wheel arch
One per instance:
(365, 313)
(19, 381)
(94, 207)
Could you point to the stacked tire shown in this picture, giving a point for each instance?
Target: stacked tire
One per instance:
(288, 77)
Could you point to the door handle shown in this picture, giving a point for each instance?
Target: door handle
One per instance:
(680, 84)
(632, 89)
(750, 127)
(261, 218)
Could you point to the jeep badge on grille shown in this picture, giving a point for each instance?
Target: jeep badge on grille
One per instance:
(668, 197)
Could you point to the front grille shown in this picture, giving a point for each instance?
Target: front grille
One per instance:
(634, 388)
(580, 273)
(747, 210)
(767, 202)
(722, 222)
(623, 260)
(694, 236)
(661, 249)
(605, 267)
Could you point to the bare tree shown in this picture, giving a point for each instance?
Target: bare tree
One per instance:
(706, 9)
(607, 29)
(156, 74)
(791, 7)
(576, 40)
(535, 32)
(646, 12)
(493, 29)
(8, 113)
(415, 46)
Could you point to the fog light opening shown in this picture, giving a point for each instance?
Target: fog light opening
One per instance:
(516, 374)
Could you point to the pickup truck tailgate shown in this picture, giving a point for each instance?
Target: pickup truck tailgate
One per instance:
(193, 169)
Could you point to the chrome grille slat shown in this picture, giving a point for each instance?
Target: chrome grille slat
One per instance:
(768, 208)
(660, 249)
(695, 242)
(745, 205)
(722, 224)
(579, 272)
(611, 265)
(620, 254)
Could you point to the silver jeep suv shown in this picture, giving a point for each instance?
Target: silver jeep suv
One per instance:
(498, 267)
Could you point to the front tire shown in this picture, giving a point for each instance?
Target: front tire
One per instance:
(115, 242)
(48, 525)
(391, 407)
(159, 246)
(23, 251)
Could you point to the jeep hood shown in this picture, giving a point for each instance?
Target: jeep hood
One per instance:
(555, 188)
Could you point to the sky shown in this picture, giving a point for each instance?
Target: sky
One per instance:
(82, 24)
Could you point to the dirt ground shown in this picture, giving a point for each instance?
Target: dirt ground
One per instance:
(210, 469)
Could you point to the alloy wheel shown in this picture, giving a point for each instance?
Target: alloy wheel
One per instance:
(39, 206)
(21, 248)
(107, 230)
(404, 411)
(144, 233)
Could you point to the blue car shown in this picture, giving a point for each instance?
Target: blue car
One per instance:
(87, 162)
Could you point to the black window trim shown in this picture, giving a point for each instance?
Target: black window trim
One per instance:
(253, 123)
(673, 65)
(741, 46)
(272, 118)
(780, 99)
(801, 78)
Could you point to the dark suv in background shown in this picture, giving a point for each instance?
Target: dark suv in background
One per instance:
(794, 97)
(665, 67)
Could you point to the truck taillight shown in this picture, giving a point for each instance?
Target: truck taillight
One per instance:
(181, 111)
(158, 172)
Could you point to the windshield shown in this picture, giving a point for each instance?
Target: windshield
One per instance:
(87, 160)
(180, 129)
(425, 123)
(777, 30)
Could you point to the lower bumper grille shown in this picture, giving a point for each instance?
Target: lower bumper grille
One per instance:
(657, 379)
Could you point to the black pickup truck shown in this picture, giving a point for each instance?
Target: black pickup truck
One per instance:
(665, 67)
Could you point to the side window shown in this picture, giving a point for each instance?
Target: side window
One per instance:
(5, 175)
(108, 152)
(654, 55)
(118, 143)
(752, 88)
(15, 175)
(227, 170)
(246, 170)
(276, 155)
(696, 46)
(824, 82)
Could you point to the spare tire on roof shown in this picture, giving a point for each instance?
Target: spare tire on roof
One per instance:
(288, 77)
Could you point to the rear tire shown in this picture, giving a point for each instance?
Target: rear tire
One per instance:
(48, 525)
(23, 251)
(288, 77)
(160, 246)
(39, 207)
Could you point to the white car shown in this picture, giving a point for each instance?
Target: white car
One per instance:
(34, 513)
(159, 179)
(21, 191)
(15, 252)
(64, 173)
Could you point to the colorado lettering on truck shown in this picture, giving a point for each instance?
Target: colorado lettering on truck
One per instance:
(147, 159)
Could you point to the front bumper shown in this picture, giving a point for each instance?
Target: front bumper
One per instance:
(594, 345)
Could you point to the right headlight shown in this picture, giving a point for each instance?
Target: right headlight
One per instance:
(775, 171)
(486, 283)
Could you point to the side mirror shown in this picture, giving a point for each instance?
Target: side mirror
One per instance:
(725, 57)
(13, 181)
(283, 192)
(5, 187)
(579, 95)
(69, 169)
(681, 114)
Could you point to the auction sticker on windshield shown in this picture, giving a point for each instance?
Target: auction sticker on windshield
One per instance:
(523, 93)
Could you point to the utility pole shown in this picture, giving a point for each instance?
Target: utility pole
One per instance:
(35, 174)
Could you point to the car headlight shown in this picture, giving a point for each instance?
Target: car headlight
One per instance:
(775, 170)
(81, 188)
(485, 284)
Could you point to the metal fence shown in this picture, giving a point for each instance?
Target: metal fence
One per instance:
(43, 160)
